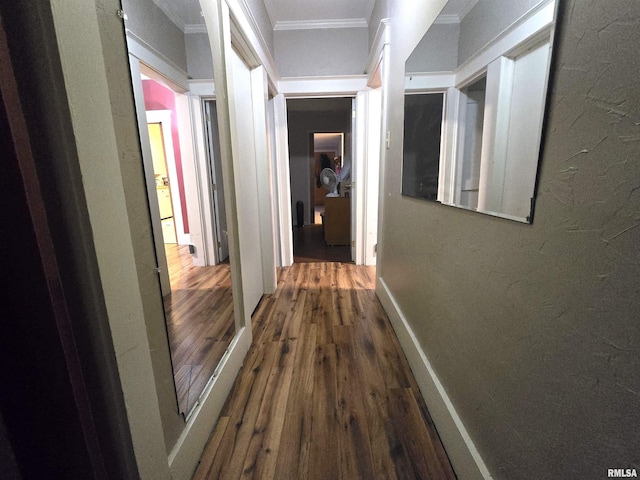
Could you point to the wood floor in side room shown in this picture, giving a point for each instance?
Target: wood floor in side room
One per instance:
(325, 391)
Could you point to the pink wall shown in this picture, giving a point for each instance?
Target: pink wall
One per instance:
(159, 97)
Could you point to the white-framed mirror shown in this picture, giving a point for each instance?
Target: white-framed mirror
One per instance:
(489, 62)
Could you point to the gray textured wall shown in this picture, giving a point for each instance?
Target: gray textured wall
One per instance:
(380, 12)
(533, 329)
(486, 20)
(437, 51)
(199, 59)
(327, 51)
(148, 22)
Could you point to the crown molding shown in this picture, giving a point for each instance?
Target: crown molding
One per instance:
(270, 12)
(447, 19)
(452, 18)
(177, 21)
(467, 9)
(372, 4)
(195, 28)
(320, 24)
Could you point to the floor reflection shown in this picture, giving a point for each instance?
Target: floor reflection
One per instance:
(200, 322)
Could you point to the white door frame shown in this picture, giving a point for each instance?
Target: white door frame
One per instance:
(359, 123)
(282, 179)
(355, 87)
(203, 184)
(372, 174)
(259, 96)
(161, 258)
(379, 80)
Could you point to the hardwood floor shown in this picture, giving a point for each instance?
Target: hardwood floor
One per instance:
(325, 391)
(309, 246)
(200, 323)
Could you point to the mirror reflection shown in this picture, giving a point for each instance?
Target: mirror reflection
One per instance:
(489, 62)
(175, 102)
(199, 305)
(422, 132)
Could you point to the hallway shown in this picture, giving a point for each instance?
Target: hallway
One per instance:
(325, 391)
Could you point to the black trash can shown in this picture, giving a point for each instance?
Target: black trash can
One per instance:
(300, 213)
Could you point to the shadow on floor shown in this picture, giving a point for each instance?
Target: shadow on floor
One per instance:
(309, 247)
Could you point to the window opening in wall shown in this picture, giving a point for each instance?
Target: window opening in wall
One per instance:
(423, 113)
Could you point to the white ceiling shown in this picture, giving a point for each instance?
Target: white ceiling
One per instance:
(302, 14)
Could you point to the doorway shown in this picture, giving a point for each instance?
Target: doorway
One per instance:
(320, 141)
(164, 181)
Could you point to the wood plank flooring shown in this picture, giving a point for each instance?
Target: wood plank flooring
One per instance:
(325, 391)
(309, 246)
(200, 323)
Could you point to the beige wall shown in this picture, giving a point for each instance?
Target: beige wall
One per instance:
(199, 61)
(318, 52)
(533, 329)
(90, 39)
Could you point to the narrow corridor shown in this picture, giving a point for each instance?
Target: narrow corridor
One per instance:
(325, 392)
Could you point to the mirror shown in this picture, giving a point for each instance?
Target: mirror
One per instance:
(475, 94)
(186, 196)
(199, 304)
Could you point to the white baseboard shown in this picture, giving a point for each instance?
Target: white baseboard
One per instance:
(462, 453)
(184, 239)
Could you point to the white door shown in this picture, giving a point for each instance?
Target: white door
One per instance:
(246, 185)
(282, 180)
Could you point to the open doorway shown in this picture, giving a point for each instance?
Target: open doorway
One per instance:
(319, 162)
(161, 151)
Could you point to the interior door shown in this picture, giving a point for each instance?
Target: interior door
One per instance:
(244, 156)
(217, 183)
